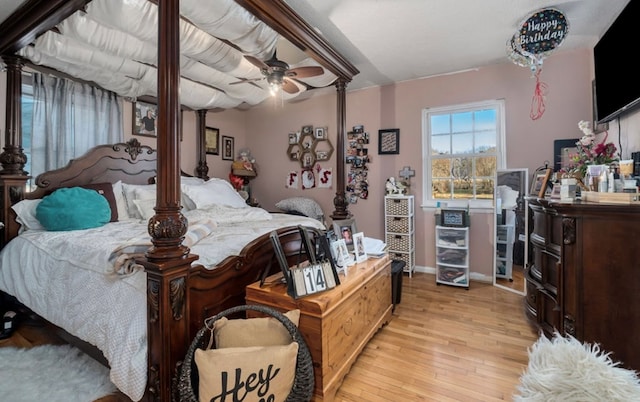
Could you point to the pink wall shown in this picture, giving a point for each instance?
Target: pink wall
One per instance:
(265, 129)
(529, 142)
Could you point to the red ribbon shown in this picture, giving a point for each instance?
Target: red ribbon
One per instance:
(537, 103)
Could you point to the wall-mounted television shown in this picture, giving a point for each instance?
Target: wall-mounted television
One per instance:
(617, 76)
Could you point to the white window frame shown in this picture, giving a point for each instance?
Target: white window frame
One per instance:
(428, 200)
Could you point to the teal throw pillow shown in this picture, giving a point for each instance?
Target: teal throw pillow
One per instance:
(73, 208)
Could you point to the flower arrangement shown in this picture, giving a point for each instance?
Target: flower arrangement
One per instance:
(589, 152)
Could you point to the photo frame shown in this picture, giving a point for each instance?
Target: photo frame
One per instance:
(562, 151)
(227, 148)
(318, 251)
(144, 119)
(320, 133)
(212, 140)
(358, 247)
(307, 130)
(540, 182)
(341, 255)
(345, 229)
(456, 218)
(307, 279)
(389, 141)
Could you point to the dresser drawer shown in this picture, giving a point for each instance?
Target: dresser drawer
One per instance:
(397, 242)
(398, 224)
(550, 271)
(452, 256)
(451, 238)
(398, 206)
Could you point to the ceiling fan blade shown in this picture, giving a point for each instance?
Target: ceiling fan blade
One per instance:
(289, 87)
(305, 72)
(257, 62)
(248, 80)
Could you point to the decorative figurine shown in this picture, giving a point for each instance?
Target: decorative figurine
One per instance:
(393, 187)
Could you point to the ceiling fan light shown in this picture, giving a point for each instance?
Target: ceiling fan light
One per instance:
(275, 82)
(274, 88)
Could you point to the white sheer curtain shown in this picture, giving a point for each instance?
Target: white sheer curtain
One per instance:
(69, 118)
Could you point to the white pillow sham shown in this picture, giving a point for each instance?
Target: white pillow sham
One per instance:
(194, 181)
(145, 207)
(214, 192)
(137, 191)
(26, 215)
(121, 202)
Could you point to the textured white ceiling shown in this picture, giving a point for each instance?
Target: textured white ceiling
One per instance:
(398, 40)
(7, 7)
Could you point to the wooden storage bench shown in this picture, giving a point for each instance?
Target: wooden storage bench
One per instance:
(336, 324)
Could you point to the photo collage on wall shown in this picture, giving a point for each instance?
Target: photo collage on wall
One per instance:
(310, 147)
(357, 157)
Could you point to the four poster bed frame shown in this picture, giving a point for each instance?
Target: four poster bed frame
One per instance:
(179, 295)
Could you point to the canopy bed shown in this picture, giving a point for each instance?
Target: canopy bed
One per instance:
(180, 290)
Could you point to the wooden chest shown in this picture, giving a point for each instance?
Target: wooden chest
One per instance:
(336, 324)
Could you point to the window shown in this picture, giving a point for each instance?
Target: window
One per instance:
(463, 147)
(62, 119)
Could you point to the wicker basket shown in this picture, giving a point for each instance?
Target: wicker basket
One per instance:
(303, 383)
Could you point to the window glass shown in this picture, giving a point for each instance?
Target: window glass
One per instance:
(463, 149)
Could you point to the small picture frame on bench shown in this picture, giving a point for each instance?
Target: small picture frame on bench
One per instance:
(358, 247)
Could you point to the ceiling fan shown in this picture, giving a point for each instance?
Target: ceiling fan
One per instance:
(279, 75)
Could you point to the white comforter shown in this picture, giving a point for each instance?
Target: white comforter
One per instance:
(66, 278)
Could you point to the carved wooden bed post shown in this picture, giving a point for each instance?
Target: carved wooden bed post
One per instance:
(339, 201)
(279, 16)
(167, 262)
(202, 169)
(13, 178)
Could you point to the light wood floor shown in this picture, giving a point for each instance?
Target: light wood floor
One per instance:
(443, 344)
(517, 279)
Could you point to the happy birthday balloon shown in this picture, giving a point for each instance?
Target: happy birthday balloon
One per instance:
(542, 32)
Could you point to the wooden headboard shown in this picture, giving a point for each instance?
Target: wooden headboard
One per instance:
(130, 162)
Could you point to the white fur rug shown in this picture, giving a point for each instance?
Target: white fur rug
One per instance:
(51, 373)
(564, 369)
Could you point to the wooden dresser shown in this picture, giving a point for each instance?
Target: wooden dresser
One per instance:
(336, 324)
(585, 276)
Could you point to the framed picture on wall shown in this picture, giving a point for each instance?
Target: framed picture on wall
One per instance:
(389, 141)
(227, 148)
(144, 119)
(212, 140)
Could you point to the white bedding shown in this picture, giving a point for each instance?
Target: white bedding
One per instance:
(69, 283)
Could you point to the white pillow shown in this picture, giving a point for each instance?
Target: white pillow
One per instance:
(187, 203)
(26, 215)
(194, 181)
(130, 194)
(214, 192)
(145, 207)
(121, 202)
